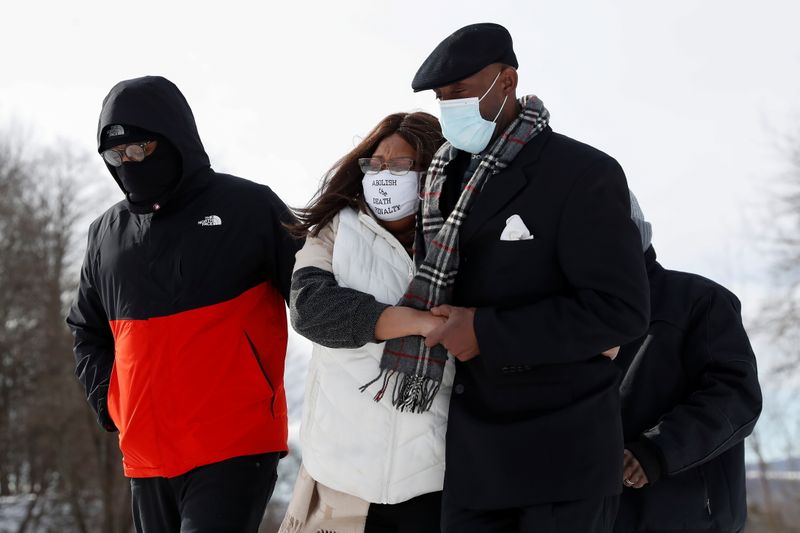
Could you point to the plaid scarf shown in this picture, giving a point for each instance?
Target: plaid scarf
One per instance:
(417, 369)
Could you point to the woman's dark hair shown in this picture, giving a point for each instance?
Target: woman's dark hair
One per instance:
(341, 186)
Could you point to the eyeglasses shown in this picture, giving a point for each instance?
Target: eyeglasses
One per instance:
(398, 166)
(134, 151)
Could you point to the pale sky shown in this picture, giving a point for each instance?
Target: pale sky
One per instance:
(694, 98)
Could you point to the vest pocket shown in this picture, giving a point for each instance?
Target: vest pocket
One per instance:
(257, 357)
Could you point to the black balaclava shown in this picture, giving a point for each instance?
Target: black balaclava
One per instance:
(148, 181)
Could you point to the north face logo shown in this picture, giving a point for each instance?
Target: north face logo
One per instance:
(115, 131)
(210, 220)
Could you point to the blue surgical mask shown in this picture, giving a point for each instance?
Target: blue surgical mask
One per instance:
(462, 123)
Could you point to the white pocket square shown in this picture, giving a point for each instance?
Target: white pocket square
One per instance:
(515, 230)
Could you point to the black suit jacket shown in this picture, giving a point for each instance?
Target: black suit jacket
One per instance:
(536, 417)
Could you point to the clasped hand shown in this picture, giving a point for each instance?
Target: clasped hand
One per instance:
(454, 328)
(456, 332)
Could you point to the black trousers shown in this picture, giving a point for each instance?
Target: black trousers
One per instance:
(228, 496)
(582, 516)
(417, 515)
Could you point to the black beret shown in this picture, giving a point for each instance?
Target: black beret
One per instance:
(464, 53)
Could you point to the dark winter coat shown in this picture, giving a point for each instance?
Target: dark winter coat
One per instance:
(690, 395)
(535, 417)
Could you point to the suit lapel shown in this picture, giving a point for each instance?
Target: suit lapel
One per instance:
(498, 191)
(501, 188)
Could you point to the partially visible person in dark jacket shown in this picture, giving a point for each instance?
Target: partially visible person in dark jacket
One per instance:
(180, 321)
(690, 396)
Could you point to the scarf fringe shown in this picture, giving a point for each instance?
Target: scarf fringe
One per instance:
(291, 525)
(414, 394)
(384, 374)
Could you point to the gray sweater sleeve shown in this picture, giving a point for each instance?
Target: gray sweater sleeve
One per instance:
(321, 310)
(330, 315)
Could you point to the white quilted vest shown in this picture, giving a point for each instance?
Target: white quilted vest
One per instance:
(350, 442)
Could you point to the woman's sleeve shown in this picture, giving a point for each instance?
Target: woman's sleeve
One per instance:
(321, 310)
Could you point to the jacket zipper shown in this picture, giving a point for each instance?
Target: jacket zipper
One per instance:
(145, 235)
(390, 462)
(705, 492)
(391, 239)
(254, 351)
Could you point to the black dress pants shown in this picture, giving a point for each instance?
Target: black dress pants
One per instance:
(417, 515)
(228, 496)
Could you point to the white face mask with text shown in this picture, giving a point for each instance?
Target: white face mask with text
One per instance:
(392, 197)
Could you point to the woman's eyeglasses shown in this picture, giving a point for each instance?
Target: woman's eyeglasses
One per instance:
(134, 151)
(397, 166)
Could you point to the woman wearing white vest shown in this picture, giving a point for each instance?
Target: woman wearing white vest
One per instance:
(367, 466)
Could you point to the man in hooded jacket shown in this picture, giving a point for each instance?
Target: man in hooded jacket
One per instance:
(179, 321)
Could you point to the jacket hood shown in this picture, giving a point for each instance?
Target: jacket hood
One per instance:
(155, 104)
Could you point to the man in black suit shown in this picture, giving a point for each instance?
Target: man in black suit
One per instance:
(550, 275)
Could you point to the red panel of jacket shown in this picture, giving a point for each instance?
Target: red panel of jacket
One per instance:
(200, 386)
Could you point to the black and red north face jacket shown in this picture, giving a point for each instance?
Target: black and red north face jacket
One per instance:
(179, 321)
